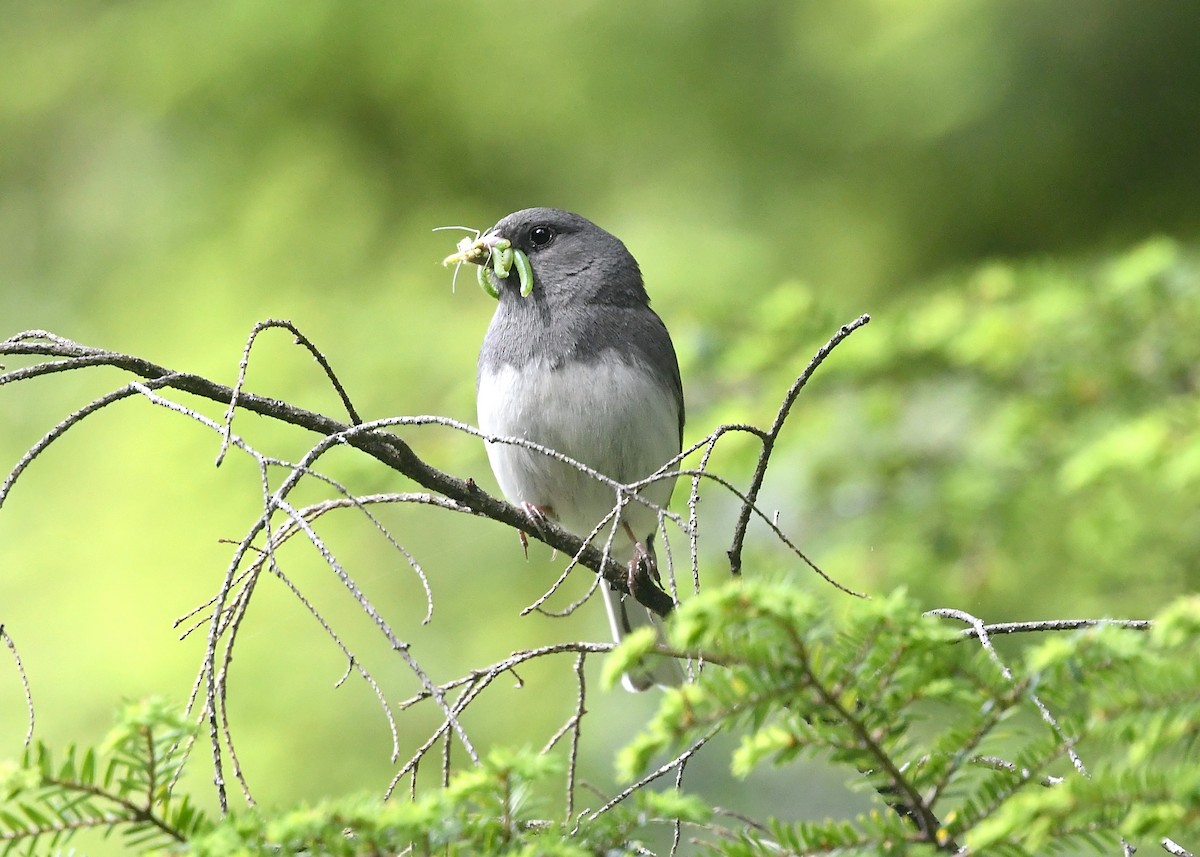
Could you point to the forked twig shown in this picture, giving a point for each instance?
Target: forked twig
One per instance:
(772, 435)
(244, 365)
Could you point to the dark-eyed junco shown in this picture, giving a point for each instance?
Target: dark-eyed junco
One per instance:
(575, 360)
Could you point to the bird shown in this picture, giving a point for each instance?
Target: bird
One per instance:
(576, 360)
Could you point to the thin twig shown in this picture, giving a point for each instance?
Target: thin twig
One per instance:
(510, 663)
(999, 628)
(24, 677)
(980, 632)
(244, 365)
(996, 763)
(576, 733)
(662, 770)
(768, 442)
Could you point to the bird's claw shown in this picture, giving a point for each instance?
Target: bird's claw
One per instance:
(537, 515)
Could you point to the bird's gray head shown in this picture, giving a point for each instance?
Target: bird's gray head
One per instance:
(573, 260)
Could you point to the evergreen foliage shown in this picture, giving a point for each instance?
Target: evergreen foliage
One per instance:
(126, 785)
(934, 723)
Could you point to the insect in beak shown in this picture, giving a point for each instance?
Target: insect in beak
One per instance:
(496, 257)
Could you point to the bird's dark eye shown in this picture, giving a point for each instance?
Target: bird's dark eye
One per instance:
(540, 236)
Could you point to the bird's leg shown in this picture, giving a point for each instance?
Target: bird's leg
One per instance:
(537, 516)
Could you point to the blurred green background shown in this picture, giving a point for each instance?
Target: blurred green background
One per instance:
(1010, 189)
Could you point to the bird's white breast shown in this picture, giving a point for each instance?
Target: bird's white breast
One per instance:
(610, 414)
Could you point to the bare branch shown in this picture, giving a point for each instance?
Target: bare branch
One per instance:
(370, 438)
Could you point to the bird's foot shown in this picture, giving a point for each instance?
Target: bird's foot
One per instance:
(641, 564)
(537, 515)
